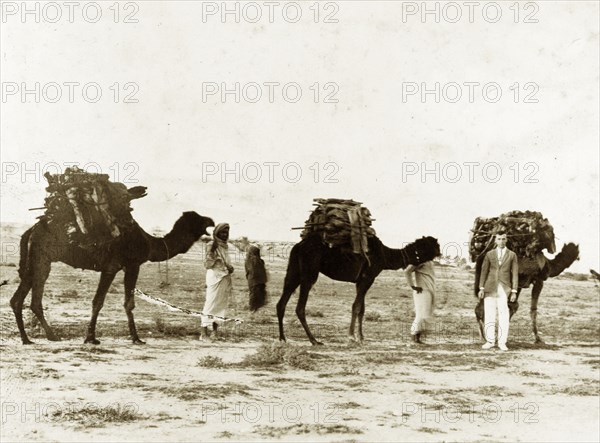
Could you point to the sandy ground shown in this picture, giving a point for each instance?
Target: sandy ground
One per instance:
(181, 389)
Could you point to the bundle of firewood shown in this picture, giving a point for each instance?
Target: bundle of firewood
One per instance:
(528, 233)
(340, 222)
(91, 209)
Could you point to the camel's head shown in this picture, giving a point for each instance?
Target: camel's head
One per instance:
(565, 258)
(193, 223)
(570, 251)
(422, 250)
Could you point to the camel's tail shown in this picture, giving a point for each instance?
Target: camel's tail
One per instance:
(293, 272)
(564, 259)
(24, 253)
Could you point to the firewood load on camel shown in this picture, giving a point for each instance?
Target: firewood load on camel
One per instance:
(92, 210)
(528, 233)
(343, 223)
(88, 225)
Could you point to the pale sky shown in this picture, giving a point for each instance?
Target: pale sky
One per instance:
(372, 142)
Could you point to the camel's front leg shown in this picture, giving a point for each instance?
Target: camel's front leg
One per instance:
(106, 278)
(361, 313)
(358, 312)
(535, 295)
(280, 313)
(131, 275)
(354, 314)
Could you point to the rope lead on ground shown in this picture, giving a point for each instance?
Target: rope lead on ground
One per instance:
(159, 301)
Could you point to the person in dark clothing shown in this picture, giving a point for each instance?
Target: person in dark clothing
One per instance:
(256, 274)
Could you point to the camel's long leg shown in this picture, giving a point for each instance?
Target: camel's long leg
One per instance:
(305, 287)
(106, 278)
(479, 314)
(39, 276)
(354, 315)
(358, 307)
(292, 281)
(479, 308)
(535, 295)
(16, 303)
(131, 275)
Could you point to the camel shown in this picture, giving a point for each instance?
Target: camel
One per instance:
(312, 256)
(531, 270)
(43, 244)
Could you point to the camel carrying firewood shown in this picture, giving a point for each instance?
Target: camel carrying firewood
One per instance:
(115, 243)
(323, 250)
(528, 234)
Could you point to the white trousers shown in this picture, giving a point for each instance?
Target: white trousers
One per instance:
(218, 292)
(423, 310)
(499, 305)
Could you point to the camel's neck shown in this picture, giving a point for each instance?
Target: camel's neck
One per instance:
(394, 259)
(563, 260)
(168, 246)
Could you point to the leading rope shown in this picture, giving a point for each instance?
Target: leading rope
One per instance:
(159, 301)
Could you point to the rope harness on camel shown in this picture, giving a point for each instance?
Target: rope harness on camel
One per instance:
(171, 307)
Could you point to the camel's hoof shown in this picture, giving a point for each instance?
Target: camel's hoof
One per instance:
(317, 343)
(54, 338)
(282, 340)
(27, 342)
(539, 341)
(92, 341)
(137, 341)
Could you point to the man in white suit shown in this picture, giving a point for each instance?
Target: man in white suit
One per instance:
(499, 277)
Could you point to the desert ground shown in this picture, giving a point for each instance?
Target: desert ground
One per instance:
(246, 386)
